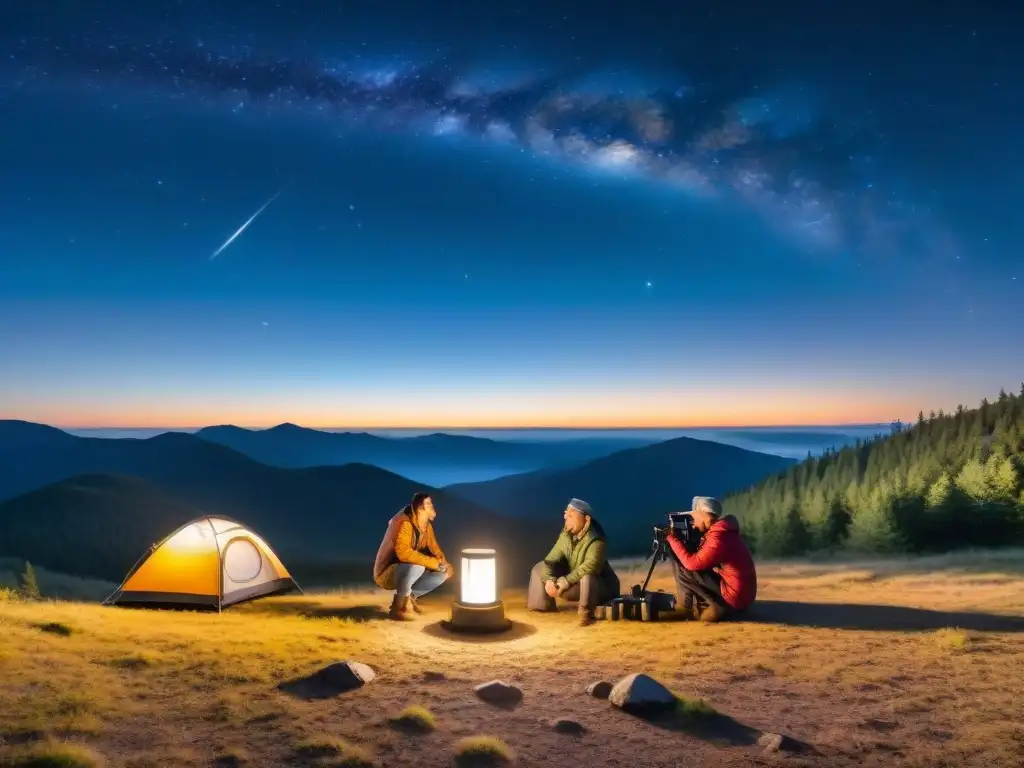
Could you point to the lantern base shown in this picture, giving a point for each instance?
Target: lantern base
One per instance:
(486, 617)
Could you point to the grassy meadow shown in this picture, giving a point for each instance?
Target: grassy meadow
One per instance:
(914, 661)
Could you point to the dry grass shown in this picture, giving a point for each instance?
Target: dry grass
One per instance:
(952, 639)
(693, 708)
(332, 751)
(54, 754)
(482, 751)
(415, 718)
(876, 663)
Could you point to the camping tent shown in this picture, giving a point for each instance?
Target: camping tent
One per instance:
(210, 562)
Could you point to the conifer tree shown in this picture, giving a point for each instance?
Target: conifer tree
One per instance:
(834, 528)
(29, 583)
(873, 528)
(955, 480)
(796, 535)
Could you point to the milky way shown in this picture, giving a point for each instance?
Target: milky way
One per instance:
(769, 149)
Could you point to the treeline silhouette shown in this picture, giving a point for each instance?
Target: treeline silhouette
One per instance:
(951, 480)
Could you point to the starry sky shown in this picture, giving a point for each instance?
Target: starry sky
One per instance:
(509, 214)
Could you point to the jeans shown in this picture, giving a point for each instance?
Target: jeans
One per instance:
(704, 586)
(417, 580)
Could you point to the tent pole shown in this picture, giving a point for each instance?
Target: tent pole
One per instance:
(148, 552)
(220, 567)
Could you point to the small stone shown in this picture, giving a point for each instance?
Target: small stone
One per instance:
(600, 689)
(565, 725)
(434, 677)
(499, 692)
(639, 692)
(770, 742)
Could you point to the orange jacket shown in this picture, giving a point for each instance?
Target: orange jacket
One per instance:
(404, 544)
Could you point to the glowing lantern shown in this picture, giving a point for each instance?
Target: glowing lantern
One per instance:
(479, 583)
(478, 608)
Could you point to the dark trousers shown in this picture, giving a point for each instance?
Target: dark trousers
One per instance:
(587, 594)
(697, 588)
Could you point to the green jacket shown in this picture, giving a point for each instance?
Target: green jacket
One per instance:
(584, 555)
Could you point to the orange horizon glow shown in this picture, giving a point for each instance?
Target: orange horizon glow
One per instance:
(723, 407)
(728, 402)
(250, 421)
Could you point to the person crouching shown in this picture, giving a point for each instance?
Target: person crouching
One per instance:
(719, 579)
(410, 560)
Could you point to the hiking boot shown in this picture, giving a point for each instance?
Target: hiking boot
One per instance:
(415, 605)
(687, 609)
(712, 613)
(400, 609)
(586, 618)
(697, 608)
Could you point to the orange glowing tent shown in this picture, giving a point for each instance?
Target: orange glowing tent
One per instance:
(208, 563)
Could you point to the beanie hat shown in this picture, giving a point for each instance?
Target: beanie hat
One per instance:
(580, 506)
(709, 503)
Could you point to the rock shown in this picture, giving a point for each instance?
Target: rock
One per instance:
(362, 672)
(770, 742)
(434, 677)
(500, 693)
(638, 692)
(565, 725)
(600, 689)
(331, 680)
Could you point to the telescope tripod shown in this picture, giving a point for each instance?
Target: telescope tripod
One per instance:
(661, 552)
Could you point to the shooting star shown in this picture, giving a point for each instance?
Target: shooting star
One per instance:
(242, 228)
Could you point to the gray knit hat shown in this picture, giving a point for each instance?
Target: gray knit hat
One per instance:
(580, 506)
(708, 503)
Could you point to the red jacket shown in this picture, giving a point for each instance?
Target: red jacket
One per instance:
(722, 546)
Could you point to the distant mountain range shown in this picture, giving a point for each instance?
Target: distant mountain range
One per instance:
(327, 518)
(326, 528)
(92, 506)
(438, 459)
(631, 490)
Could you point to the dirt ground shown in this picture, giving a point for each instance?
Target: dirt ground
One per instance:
(916, 663)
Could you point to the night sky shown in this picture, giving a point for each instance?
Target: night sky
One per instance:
(549, 213)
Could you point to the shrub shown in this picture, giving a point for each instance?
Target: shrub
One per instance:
(482, 750)
(415, 718)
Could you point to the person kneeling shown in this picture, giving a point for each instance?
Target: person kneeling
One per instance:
(410, 561)
(576, 569)
(718, 579)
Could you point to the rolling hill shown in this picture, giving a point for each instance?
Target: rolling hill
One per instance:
(322, 519)
(78, 499)
(326, 528)
(629, 490)
(91, 525)
(436, 458)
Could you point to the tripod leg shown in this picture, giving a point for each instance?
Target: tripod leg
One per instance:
(658, 553)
